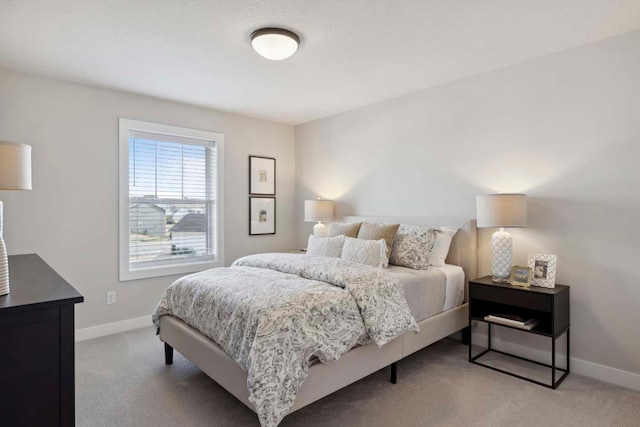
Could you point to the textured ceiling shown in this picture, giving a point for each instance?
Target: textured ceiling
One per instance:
(353, 52)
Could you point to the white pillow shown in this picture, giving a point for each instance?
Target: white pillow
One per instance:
(441, 247)
(368, 252)
(325, 246)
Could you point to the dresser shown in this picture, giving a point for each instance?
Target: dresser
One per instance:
(37, 346)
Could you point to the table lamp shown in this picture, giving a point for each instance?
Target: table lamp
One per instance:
(501, 210)
(318, 210)
(15, 174)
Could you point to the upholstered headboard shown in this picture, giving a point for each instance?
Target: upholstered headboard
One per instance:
(463, 250)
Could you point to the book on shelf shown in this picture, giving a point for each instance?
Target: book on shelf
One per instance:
(513, 320)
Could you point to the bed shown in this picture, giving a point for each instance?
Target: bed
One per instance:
(435, 323)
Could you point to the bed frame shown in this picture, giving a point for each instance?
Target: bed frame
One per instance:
(324, 379)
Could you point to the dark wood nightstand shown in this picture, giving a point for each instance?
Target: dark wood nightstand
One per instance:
(549, 306)
(37, 338)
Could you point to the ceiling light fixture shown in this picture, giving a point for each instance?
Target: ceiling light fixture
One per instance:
(275, 43)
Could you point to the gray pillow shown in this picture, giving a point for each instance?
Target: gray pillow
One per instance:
(379, 231)
(349, 230)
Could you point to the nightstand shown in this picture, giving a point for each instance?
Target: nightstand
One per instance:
(549, 306)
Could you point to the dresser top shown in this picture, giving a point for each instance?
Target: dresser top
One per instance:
(34, 283)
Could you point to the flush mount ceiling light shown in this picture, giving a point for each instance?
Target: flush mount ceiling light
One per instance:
(275, 43)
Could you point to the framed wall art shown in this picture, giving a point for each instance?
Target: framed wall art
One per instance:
(544, 269)
(262, 176)
(262, 215)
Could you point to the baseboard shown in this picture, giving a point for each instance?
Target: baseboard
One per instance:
(112, 328)
(578, 366)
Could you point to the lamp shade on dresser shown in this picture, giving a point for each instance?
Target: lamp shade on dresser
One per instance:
(15, 174)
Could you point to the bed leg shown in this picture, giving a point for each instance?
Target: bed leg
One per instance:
(168, 354)
(394, 373)
(466, 335)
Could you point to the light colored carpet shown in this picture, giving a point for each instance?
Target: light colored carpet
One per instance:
(122, 381)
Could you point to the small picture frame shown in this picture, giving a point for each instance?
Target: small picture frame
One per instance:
(262, 215)
(262, 176)
(520, 276)
(544, 269)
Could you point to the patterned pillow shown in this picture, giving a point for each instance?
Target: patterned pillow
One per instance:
(379, 231)
(413, 246)
(368, 252)
(349, 230)
(325, 246)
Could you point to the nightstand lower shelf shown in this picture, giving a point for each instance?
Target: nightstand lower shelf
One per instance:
(554, 383)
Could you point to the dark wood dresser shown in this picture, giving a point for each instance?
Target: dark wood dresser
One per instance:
(37, 381)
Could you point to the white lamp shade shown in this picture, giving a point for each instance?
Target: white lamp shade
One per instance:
(501, 210)
(15, 166)
(318, 210)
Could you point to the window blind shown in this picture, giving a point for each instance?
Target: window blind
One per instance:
(172, 188)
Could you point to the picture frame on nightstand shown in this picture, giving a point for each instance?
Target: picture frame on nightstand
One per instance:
(521, 276)
(544, 269)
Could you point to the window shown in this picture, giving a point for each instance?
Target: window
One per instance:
(171, 191)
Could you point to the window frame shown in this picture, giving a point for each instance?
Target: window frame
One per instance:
(188, 266)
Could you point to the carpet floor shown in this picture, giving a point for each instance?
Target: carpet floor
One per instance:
(121, 380)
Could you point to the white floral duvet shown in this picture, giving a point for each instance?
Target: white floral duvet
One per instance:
(272, 312)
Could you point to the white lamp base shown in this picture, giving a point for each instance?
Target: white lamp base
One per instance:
(320, 230)
(4, 262)
(501, 256)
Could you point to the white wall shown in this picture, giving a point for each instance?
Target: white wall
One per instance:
(564, 128)
(71, 217)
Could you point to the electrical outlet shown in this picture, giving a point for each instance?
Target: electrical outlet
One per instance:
(111, 297)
